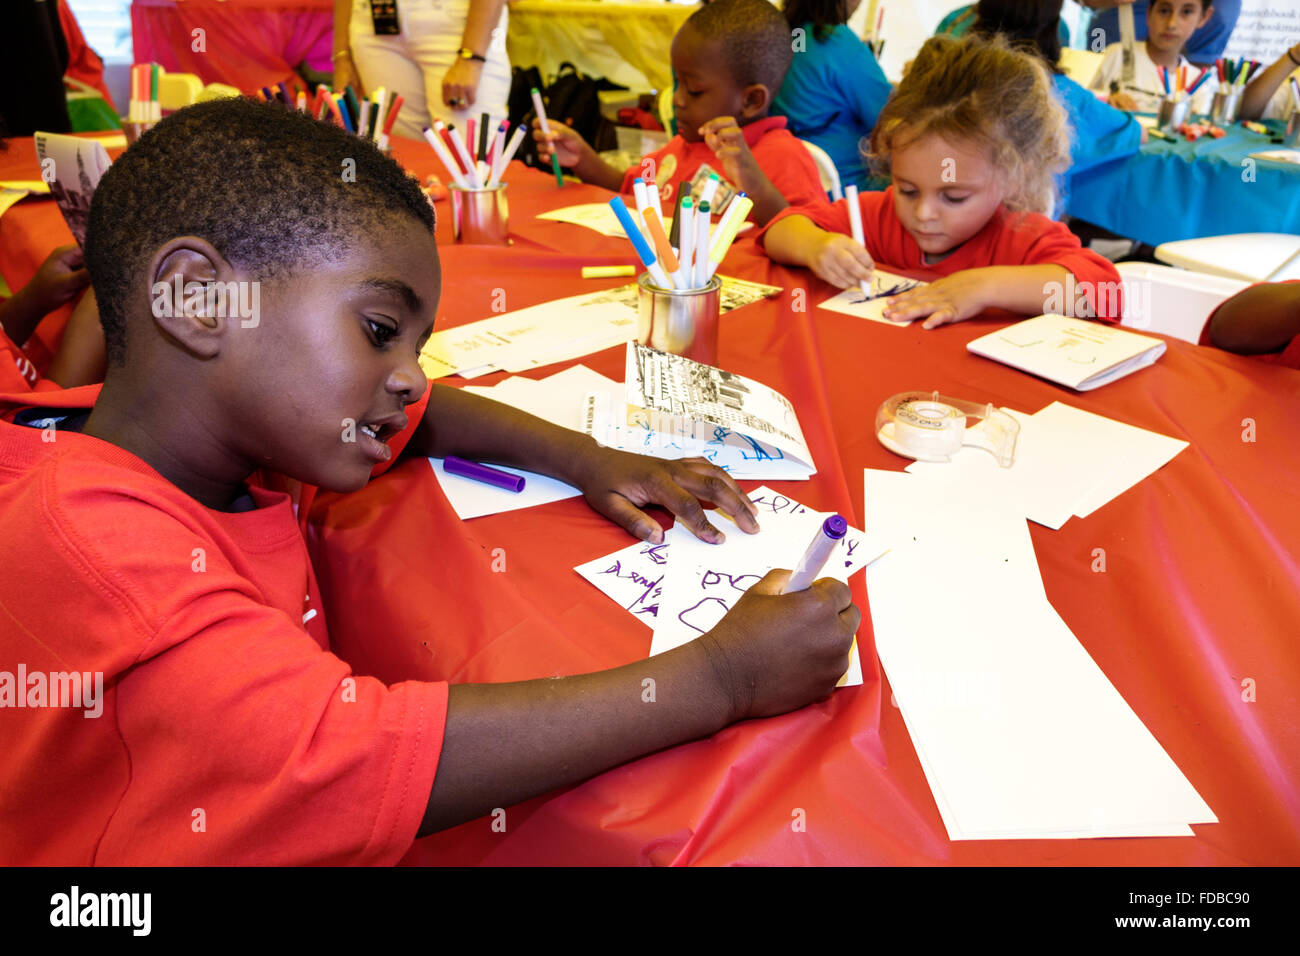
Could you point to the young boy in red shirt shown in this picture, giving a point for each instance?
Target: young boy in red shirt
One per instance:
(150, 546)
(729, 60)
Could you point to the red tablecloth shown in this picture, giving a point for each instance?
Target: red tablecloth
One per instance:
(247, 44)
(1201, 593)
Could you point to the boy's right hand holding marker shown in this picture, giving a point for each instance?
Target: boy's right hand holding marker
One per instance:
(777, 652)
(575, 154)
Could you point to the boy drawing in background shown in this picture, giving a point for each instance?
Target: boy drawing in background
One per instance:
(729, 60)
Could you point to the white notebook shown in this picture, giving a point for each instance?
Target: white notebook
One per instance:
(1074, 352)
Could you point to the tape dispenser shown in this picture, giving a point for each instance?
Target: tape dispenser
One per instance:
(928, 426)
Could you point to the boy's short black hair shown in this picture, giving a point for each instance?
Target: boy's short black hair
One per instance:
(755, 39)
(270, 188)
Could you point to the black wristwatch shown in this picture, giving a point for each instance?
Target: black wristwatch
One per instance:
(466, 53)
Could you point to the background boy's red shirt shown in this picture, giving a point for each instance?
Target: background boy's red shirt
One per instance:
(229, 734)
(1007, 239)
(781, 156)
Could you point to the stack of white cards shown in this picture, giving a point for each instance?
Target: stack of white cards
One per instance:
(1068, 463)
(1019, 733)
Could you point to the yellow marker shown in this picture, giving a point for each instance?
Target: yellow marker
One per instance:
(607, 272)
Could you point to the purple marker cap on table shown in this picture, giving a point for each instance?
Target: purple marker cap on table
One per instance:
(489, 476)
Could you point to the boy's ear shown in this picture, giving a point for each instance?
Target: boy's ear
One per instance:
(754, 101)
(1205, 16)
(185, 276)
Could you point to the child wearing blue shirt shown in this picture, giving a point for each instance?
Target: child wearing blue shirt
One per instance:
(834, 89)
(1099, 132)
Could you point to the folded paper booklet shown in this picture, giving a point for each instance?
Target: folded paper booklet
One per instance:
(1077, 353)
(76, 165)
(685, 402)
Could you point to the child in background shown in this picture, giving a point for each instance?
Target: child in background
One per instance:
(79, 359)
(1268, 95)
(1101, 133)
(834, 89)
(1262, 320)
(729, 58)
(153, 534)
(1170, 23)
(973, 138)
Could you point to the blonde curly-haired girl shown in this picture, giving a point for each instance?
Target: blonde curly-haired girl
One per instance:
(973, 139)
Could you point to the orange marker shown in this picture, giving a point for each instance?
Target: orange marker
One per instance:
(655, 224)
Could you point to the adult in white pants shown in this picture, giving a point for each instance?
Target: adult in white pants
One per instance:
(448, 60)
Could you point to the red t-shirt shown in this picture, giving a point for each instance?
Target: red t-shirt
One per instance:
(17, 373)
(1007, 239)
(226, 731)
(783, 159)
(1289, 357)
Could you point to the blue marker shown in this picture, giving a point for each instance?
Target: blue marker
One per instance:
(643, 250)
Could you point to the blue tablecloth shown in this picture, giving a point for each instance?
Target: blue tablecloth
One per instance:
(1180, 190)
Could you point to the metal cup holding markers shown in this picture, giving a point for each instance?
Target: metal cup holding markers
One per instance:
(1172, 114)
(680, 321)
(1225, 106)
(480, 217)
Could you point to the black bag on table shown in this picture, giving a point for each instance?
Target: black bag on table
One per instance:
(573, 99)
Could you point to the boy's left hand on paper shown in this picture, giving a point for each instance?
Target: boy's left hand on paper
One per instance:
(619, 484)
(724, 137)
(61, 276)
(951, 299)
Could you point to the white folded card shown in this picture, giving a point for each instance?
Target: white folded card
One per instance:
(1076, 353)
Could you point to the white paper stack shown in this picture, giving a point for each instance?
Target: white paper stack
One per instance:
(1068, 462)
(1019, 733)
(683, 587)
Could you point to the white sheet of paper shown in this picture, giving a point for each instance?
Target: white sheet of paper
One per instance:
(596, 216)
(473, 499)
(557, 398)
(1020, 733)
(538, 335)
(1051, 473)
(633, 577)
(1130, 453)
(599, 217)
(853, 302)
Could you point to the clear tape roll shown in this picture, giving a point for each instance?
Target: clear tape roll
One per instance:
(928, 426)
